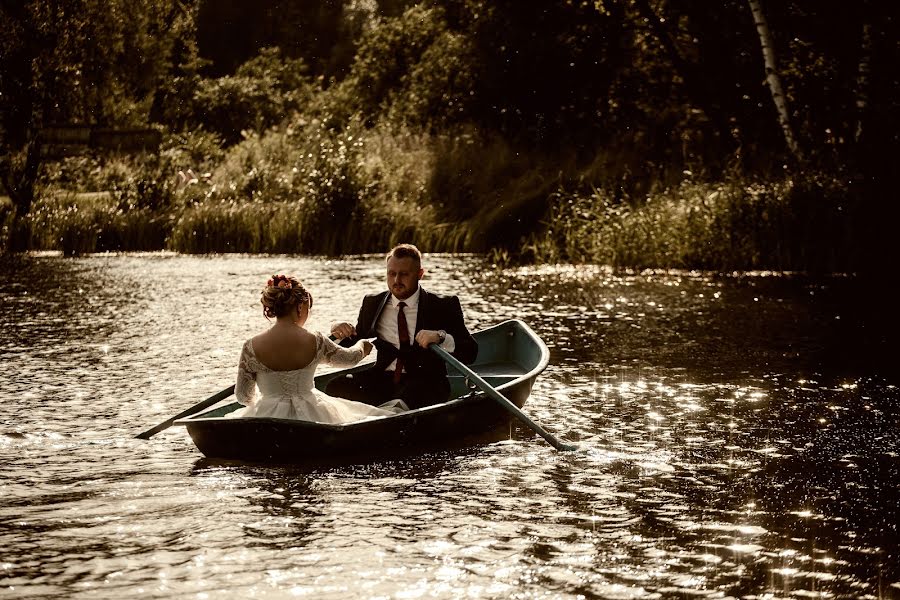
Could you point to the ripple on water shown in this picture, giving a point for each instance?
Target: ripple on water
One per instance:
(729, 445)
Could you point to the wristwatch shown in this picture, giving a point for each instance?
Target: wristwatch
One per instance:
(442, 335)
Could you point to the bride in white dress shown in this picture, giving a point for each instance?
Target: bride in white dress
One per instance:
(282, 363)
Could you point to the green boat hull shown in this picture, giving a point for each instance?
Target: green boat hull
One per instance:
(510, 358)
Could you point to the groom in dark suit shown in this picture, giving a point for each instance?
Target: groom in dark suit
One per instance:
(405, 320)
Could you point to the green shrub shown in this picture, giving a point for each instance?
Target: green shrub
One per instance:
(263, 92)
(312, 188)
(198, 150)
(135, 181)
(388, 53)
(413, 71)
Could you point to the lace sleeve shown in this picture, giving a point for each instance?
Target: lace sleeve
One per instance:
(338, 356)
(245, 386)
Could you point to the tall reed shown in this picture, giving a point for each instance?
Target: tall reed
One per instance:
(83, 223)
(790, 224)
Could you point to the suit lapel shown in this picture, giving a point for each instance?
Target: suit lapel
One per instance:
(374, 324)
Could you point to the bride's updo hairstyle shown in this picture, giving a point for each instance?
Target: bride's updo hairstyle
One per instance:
(283, 294)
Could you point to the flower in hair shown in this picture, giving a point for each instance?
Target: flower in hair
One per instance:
(280, 281)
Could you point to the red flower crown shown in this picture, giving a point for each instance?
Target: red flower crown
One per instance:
(280, 281)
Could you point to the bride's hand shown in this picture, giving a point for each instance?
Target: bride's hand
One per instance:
(367, 347)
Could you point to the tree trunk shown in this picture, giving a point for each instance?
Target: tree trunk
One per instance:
(768, 50)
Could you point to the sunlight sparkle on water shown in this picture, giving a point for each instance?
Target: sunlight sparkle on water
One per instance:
(301, 591)
(745, 548)
(682, 413)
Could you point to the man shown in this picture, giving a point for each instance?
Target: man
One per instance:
(405, 319)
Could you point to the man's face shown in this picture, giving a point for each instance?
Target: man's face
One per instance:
(403, 277)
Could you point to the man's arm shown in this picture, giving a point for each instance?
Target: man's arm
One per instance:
(448, 314)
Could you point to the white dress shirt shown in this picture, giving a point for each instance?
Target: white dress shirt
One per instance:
(386, 328)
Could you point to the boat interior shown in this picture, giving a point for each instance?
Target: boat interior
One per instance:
(507, 352)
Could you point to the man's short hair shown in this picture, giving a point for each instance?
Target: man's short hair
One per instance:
(406, 251)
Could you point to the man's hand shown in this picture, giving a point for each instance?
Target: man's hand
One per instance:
(342, 330)
(426, 337)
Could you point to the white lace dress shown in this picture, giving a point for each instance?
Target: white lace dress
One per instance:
(292, 394)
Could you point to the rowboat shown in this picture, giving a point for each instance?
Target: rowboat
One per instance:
(510, 357)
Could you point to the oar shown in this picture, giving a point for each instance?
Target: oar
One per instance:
(500, 398)
(197, 407)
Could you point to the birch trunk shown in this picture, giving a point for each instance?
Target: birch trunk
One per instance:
(768, 50)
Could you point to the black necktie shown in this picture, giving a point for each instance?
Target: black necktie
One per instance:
(403, 330)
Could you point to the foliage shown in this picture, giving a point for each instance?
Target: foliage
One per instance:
(414, 70)
(544, 74)
(7, 218)
(463, 125)
(265, 91)
(198, 150)
(230, 32)
(82, 223)
(789, 224)
(86, 62)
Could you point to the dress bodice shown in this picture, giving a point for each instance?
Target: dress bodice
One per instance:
(292, 394)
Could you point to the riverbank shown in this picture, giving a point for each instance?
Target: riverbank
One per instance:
(601, 139)
(807, 224)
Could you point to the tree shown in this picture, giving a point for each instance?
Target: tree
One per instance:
(772, 77)
(89, 62)
(231, 32)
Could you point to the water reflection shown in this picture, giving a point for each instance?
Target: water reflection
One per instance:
(738, 438)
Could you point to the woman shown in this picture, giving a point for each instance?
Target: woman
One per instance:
(282, 363)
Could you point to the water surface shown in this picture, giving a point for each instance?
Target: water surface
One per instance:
(738, 438)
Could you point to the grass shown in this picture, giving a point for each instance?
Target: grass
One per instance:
(312, 188)
(77, 223)
(805, 224)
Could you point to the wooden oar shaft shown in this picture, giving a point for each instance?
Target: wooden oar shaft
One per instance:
(500, 398)
(199, 406)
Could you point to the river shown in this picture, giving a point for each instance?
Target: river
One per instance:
(738, 437)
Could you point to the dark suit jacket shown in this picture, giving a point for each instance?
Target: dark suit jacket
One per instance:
(434, 312)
